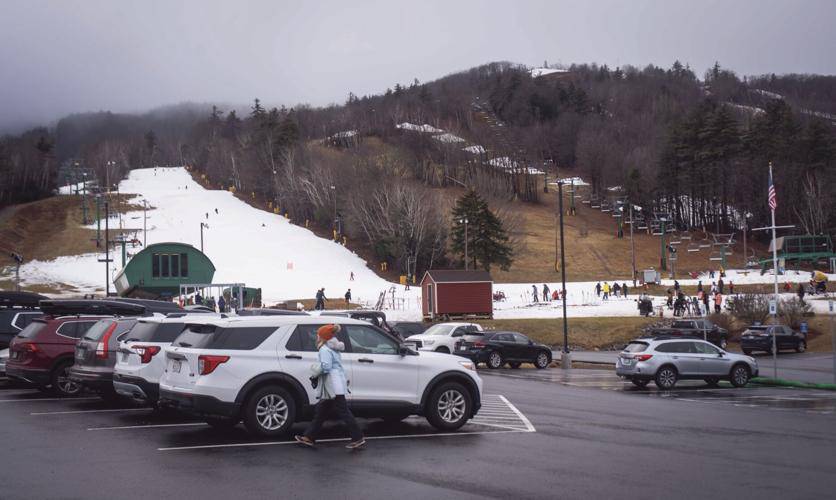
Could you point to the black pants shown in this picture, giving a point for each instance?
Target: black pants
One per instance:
(323, 411)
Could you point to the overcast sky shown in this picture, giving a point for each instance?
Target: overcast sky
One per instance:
(63, 56)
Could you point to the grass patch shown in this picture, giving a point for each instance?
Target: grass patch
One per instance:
(584, 333)
(779, 382)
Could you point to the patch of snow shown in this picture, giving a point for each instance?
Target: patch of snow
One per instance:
(747, 109)
(538, 72)
(425, 128)
(74, 188)
(448, 138)
(766, 93)
(344, 134)
(615, 188)
(503, 162)
(477, 150)
(572, 180)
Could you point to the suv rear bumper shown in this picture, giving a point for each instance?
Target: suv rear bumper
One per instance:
(136, 388)
(38, 376)
(198, 404)
(98, 381)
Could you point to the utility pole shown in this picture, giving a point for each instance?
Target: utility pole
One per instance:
(632, 245)
(662, 264)
(98, 220)
(18, 261)
(465, 222)
(334, 189)
(566, 356)
(84, 200)
(107, 260)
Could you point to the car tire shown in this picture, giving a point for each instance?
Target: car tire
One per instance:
(666, 377)
(801, 346)
(269, 411)
(739, 375)
(515, 365)
(443, 350)
(712, 381)
(495, 360)
(542, 360)
(61, 383)
(640, 382)
(222, 423)
(449, 406)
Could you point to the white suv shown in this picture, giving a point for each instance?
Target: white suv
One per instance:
(140, 361)
(443, 336)
(257, 369)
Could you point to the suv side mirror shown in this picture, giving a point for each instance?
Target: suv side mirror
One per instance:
(404, 350)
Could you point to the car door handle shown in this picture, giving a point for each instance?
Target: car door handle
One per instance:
(365, 360)
(293, 356)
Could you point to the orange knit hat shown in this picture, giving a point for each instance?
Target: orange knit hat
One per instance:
(327, 332)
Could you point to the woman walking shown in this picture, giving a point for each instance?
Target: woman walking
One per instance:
(332, 385)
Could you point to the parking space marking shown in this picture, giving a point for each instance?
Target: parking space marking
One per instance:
(335, 440)
(148, 426)
(24, 400)
(109, 410)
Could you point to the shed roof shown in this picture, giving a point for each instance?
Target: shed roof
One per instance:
(458, 276)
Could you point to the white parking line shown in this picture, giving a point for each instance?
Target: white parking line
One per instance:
(525, 419)
(23, 400)
(89, 411)
(368, 438)
(149, 426)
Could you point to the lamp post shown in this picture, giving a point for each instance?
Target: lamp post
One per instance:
(464, 221)
(84, 199)
(334, 189)
(662, 261)
(202, 225)
(632, 242)
(565, 357)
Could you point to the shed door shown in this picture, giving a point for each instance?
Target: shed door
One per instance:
(430, 299)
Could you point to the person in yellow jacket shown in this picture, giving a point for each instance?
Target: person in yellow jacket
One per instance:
(606, 289)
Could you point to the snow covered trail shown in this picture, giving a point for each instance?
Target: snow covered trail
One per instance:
(246, 244)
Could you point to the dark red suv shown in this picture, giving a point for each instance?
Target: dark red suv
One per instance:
(44, 351)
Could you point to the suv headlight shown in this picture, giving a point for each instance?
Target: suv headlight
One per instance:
(468, 364)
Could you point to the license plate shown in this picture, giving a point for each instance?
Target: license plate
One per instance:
(626, 361)
(175, 366)
(463, 348)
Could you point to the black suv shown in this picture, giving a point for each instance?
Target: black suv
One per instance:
(759, 338)
(17, 310)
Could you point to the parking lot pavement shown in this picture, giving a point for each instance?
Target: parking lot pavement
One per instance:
(534, 438)
(753, 396)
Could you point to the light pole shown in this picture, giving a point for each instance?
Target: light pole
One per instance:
(144, 223)
(663, 262)
(566, 357)
(18, 261)
(84, 199)
(202, 225)
(334, 189)
(632, 242)
(464, 221)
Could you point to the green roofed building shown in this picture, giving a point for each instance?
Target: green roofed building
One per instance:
(159, 269)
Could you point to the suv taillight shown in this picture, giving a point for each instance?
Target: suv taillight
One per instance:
(101, 348)
(478, 344)
(643, 357)
(146, 352)
(206, 363)
(26, 347)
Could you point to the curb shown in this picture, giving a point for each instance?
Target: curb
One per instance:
(778, 382)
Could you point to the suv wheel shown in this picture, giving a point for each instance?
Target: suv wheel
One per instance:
(739, 375)
(542, 360)
(495, 360)
(61, 383)
(801, 346)
(449, 406)
(666, 377)
(443, 349)
(270, 411)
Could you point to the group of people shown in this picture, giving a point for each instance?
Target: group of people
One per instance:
(606, 291)
(699, 304)
(548, 294)
(221, 305)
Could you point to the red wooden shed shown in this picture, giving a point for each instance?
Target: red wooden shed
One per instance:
(457, 294)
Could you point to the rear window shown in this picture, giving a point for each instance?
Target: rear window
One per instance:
(145, 331)
(239, 338)
(32, 330)
(636, 346)
(22, 320)
(96, 332)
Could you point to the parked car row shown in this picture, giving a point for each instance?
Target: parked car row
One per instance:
(253, 368)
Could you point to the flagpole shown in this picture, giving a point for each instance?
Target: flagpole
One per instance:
(775, 271)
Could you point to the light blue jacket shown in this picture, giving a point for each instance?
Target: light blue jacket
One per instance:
(333, 378)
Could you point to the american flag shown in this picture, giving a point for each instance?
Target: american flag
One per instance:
(773, 198)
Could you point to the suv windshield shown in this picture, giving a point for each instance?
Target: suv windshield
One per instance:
(32, 330)
(635, 347)
(96, 331)
(235, 338)
(439, 330)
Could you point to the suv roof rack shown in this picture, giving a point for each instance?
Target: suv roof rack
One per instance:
(21, 299)
(92, 307)
(262, 311)
(151, 306)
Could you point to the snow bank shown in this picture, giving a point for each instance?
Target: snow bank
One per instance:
(476, 149)
(538, 72)
(746, 109)
(425, 128)
(448, 138)
(78, 187)
(766, 93)
(345, 134)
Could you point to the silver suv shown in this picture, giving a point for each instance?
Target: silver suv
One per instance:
(666, 360)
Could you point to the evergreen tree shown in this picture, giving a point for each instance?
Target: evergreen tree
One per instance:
(487, 240)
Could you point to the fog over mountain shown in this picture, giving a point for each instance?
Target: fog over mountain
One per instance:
(59, 57)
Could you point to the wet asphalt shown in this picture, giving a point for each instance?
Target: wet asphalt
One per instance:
(543, 434)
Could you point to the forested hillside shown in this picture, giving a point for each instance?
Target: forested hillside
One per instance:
(697, 148)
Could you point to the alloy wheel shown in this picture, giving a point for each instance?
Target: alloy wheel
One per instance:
(542, 360)
(65, 385)
(451, 406)
(741, 376)
(667, 378)
(495, 360)
(271, 412)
